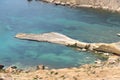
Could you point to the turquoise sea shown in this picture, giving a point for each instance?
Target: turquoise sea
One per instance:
(84, 24)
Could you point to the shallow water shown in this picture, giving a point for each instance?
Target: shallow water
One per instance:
(88, 25)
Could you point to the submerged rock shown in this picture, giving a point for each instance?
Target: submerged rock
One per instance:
(58, 38)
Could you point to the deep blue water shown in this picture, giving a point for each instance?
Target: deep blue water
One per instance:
(84, 24)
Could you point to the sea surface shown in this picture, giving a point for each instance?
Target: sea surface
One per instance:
(84, 24)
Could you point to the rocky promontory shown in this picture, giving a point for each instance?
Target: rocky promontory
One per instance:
(113, 5)
(58, 38)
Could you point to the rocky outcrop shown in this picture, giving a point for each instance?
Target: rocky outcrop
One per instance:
(107, 47)
(113, 5)
(58, 38)
(52, 37)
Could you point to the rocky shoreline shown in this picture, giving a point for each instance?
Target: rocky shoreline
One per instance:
(108, 70)
(112, 5)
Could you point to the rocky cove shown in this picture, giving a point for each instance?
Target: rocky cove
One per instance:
(79, 32)
(107, 70)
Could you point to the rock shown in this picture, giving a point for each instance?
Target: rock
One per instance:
(67, 3)
(57, 2)
(108, 47)
(51, 1)
(83, 49)
(112, 59)
(98, 61)
(11, 69)
(106, 54)
(1, 66)
(29, 0)
(62, 3)
(52, 37)
(118, 34)
(40, 67)
(53, 72)
(58, 38)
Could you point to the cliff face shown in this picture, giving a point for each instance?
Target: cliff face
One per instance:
(113, 5)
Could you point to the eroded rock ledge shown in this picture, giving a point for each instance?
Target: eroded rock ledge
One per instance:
(58, 38)
(113, 5)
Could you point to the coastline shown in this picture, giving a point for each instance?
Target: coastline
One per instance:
(108, 70)
(112, 5)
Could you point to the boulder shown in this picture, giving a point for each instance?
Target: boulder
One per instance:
(113, 59)
(1, 66)
(109, 48)
(11, 69)
(40, 67)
